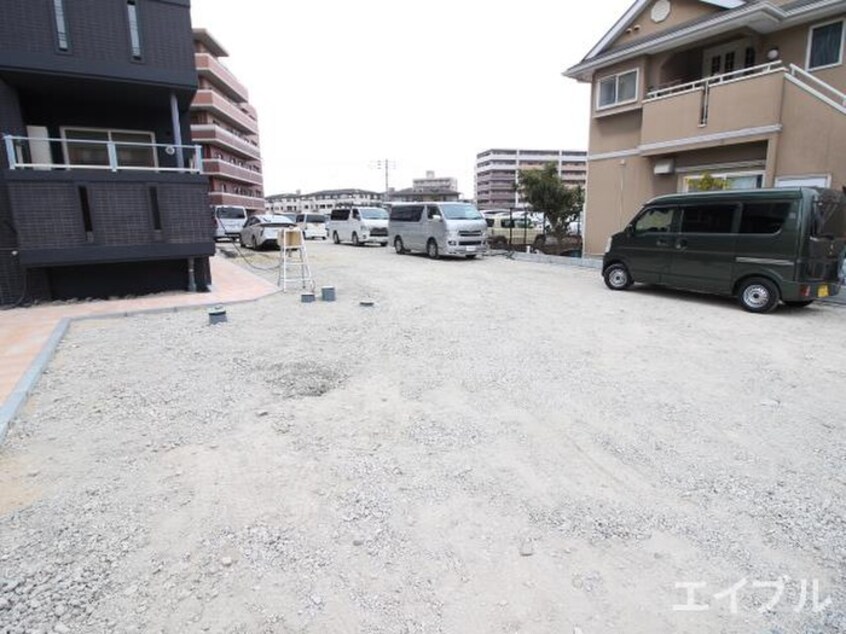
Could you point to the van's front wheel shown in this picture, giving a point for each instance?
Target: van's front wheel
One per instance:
(617, 277)
(398, 246)
(758, 295)
(432, 249)
(356, 242)
(336, 238)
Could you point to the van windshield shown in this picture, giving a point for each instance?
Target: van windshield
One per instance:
(373, 213)
(460, 211)
(829, 218)
(231, 213)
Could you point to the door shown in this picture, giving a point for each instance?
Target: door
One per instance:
(415, 228)
(727, 58)
(647, 245)
(435, 227)
(705, 247)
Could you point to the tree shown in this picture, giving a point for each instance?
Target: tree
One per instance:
(546, 193)
(707, 183)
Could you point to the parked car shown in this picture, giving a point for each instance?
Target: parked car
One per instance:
(228, 221)
(313, 226)
(263, 230)
(438, 229)
(512, 229)
(359, 225)
(760, 246)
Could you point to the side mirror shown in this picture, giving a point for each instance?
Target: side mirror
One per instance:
(437, 218)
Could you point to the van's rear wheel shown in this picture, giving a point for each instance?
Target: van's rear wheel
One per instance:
(617, 277)
(800, 304)
(758, 295)
(356, 242)
(398, 245)
(432, 249)
(336, 238)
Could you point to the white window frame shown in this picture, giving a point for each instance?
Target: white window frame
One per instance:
(691, 177)
(109, 132)
(616, 77)
(811, 30)
(780, 180)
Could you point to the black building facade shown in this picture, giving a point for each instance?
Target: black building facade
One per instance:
(101, 191)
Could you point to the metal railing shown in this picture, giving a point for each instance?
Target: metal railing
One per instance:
(707, 82)
(818, 87)
(36, 153)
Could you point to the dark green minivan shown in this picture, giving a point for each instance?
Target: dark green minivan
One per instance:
(761, 246)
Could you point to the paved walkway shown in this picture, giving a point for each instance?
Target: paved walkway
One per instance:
(24, 332)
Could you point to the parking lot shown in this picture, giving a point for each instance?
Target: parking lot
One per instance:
(493, 446)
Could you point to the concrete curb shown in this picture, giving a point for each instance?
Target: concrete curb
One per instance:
(541, 258)
(14, 403)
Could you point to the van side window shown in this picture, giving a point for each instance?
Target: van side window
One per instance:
(356, 215)
(707, 218)
(764, 218)
(432, 211)
(655, 221)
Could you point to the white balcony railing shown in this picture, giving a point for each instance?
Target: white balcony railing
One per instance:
(707, 82)
(36, 153)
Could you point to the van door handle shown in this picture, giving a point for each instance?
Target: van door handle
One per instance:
(681, 244)
(662, 242)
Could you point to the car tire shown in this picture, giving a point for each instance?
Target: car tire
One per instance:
(799, 304)
(758, 295)
(356, 242)
(241, 241)
(399, 247)
(617, 277)
(471, 257)
(254, 246)
(336, 238)
(432, 249)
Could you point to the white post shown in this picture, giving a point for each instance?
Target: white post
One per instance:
(113, 160)
(10, 150)
(177, 130)
(198, 158)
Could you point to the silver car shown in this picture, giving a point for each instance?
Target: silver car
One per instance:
(263, 230)
(438, 229)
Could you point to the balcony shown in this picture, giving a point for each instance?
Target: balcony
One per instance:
(208, 100)
(236, 200)
(217, 136)
(742, 101)
(230, 171)
(210, 68)
(41, 154)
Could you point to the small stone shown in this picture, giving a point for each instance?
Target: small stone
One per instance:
(262, 412)
(316, 599)
(33, 473)
(358, 541)
(5, 604)
(61, 628)
(226, 561)
(60, 610)
(130, 591)
(527, 549)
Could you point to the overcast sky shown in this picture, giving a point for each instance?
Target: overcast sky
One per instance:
(339, 85)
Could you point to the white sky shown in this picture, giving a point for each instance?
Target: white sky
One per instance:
(340, 84)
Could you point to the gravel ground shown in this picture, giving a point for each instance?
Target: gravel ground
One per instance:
(493, 447)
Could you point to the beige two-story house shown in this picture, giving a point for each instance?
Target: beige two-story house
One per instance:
(751, 93)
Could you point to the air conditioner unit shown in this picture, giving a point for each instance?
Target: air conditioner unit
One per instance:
(664, 166)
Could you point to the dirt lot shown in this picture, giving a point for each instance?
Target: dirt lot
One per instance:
(493, 447)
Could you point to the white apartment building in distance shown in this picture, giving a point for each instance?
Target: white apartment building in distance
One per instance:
(497, 169)
(322, 202)
(434, 183)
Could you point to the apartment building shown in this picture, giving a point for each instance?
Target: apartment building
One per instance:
(497, 170)
(751, 93)
(101, 191)
(322, 202)
(226, 125)
(434, 183)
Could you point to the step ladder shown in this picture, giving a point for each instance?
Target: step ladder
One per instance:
(294, 270)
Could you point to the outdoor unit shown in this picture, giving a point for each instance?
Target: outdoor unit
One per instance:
(664, 167)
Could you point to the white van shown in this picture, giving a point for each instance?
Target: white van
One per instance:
(438, 229)
(313, 226)
(359, 225)
(228, 221)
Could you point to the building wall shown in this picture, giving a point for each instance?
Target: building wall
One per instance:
(682, 12)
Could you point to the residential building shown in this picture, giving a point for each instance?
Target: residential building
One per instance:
(323, 202)
(433, 183)
(101, 191)
(751, 93)
(497, 170)
(226, 125)
(414, 195)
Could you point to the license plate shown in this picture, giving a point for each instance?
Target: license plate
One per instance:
(469, 249)
(823, 292)
(271, 234)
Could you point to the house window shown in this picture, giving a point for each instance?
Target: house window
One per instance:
(90, 148)
(134, 36)
(618, 89)
(825, 45)
(716, 182)
(61, 24)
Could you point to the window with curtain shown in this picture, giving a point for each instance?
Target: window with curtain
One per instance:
(826, 47)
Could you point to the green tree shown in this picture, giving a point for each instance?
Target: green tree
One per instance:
(708, 183)
(546, 193)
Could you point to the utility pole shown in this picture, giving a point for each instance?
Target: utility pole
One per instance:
(386, 165)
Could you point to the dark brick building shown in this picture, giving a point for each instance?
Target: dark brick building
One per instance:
(101, 191)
